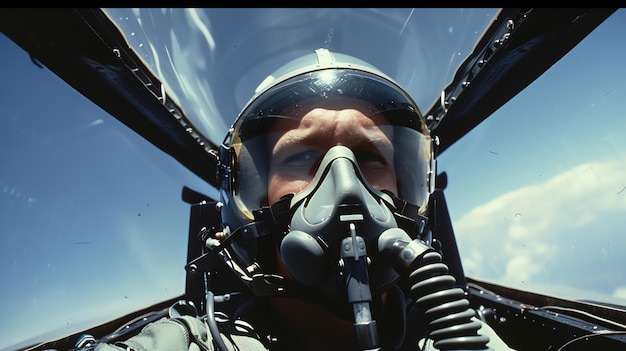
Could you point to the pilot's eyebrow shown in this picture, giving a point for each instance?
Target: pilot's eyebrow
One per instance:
(298, 136)
(288, 139)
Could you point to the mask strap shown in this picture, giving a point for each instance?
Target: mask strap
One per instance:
(276, 217)
(407, 215)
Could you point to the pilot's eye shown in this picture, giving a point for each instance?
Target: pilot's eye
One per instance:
(303, 159)
(367, 158)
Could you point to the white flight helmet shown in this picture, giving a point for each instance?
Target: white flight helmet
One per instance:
(245, 152)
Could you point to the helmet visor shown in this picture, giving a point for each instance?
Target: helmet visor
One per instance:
(284, 133)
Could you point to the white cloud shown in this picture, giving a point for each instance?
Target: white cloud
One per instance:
(530, 231)
(620, 293)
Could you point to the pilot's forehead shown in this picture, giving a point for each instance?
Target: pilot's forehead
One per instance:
(304, 107)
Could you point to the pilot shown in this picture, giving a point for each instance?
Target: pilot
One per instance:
(325, 180)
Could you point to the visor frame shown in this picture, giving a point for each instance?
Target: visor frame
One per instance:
(255, 120)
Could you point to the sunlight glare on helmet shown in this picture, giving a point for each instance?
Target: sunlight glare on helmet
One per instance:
(327, 78)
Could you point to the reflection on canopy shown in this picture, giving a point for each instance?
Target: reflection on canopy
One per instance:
(211, 60)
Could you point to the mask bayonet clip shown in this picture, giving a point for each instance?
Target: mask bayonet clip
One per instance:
(354, 262)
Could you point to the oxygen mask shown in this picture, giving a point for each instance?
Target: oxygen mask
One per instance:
(336, 222)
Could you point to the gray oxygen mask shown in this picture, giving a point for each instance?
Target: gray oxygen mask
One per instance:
(338, 209)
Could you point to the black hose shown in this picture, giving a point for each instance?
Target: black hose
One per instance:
(446, 310)
(445, 307)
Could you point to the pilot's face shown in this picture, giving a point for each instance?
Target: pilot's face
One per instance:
(298, 152)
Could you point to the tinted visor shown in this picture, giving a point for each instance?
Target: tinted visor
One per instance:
(402, 137)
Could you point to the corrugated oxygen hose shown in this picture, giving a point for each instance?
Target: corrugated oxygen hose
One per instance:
(446, 310)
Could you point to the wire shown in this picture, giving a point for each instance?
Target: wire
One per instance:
(589, 336)
(558, 308)
(211, 323)
(572, 310)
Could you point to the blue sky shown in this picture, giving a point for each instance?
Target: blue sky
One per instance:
(551, 219)
(94, 227)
